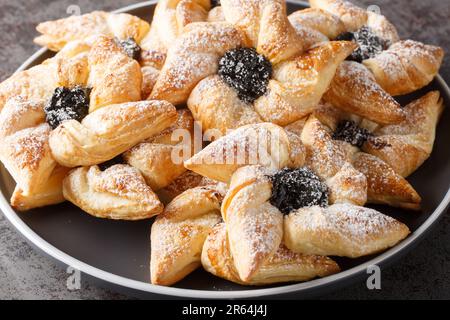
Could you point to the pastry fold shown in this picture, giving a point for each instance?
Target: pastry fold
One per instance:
(266, 144)
(56, 34)
(118, 193)
(108, 132)
(341, 230)
(384, 184)
(178, 234)
(160, 158)
(283, 266)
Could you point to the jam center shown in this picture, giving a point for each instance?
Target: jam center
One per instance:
(247, 72)
(350, 132)
(370, 45)
(67, 104)
(130, 47)
(293, 189)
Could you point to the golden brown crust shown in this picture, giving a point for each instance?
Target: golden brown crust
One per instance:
(114, 77)
(283, 266)
(385, 186)
(108, 132)
(193, 57)
(299, 84)
(354, 89)
(406, 66)
(266, 144)
(178, 234)
(341, 230)
(160, 158)
(56, 34)
(118, 193)
(406, 146)
(169, 20)
(49, 193)
(329, 161)
(318, 20)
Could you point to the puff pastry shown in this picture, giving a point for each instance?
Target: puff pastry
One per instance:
(266, 144)
(114, 77)
(384, 184)
(283, 266)
(118, 193)
(354, 89)
(186, 181)
(407, 145)
(108, 132)
(256, 227)
(169, 20)
(299, 78)
(178, 234)
(25, 152)
(405, 66)
(56, 34)
(156, 158)
(341, 230)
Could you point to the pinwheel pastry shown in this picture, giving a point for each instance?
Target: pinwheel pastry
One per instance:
(24, 133)
(265, 208)
(283, 266)
(178, 234)
(381, 66)
(385, 154)
(232, 74)
(146, 44)
(264, 143)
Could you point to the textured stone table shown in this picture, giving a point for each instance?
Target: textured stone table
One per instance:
(25, 274)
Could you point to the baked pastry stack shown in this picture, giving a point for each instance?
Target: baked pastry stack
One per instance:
(300, 131)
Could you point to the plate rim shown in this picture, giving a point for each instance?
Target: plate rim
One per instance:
(318, 284)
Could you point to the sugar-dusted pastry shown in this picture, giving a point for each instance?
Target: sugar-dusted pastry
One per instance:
(399, 67)
(406, 66)
(407, 145)
(254, 68)
(265, 144)
(114, 76)
(350, 134)
(169, 20)
(178, 234)
(259, 197)
(161, 158)
(119, 192)
(108, 132)
(341, 230)
(283, 266)
(354, 89)
(25, 152)
(314, 20)
(56, 34)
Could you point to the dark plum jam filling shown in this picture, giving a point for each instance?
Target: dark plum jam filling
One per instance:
(370, 45)
(215, 3)
(130, 47)
(350, 132)
(117, 160)
(247, 72)
(293, 189)
(67, 104)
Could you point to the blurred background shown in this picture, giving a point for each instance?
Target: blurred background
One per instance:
(26, 274)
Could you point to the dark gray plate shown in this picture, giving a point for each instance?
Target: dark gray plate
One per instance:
(118, 252)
